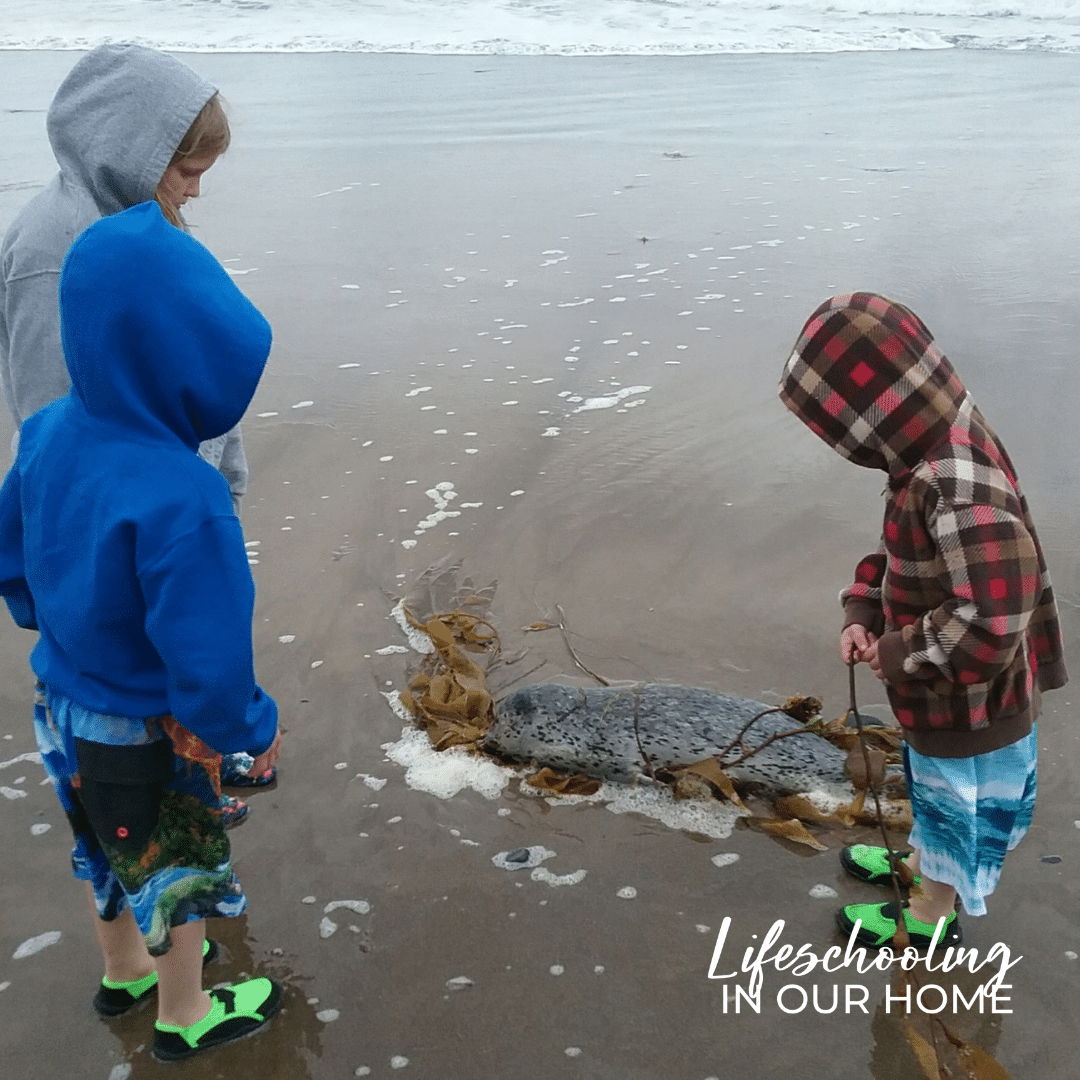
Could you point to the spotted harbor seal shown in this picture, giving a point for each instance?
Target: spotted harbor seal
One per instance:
(592, 731)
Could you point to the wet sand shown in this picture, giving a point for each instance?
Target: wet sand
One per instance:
(452, 252)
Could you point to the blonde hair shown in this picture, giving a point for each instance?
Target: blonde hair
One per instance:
(208, 135)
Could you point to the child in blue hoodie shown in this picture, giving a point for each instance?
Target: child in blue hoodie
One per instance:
(127, 124)
(119, 545)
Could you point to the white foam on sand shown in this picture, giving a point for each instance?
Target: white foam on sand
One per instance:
(610, 400)
(542, 873)
(361, 907)
(708, 817)
(34, 757)
(445, 773)
(418, 640)
(36, 944)
(442, 494)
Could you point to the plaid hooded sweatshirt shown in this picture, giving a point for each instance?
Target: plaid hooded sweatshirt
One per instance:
(958, 593)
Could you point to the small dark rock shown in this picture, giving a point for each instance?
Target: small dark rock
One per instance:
(518, 855)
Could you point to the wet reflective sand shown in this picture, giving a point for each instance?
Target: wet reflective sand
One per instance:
(457, 256)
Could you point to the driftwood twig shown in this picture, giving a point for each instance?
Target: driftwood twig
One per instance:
(577, 659)
(637, 735)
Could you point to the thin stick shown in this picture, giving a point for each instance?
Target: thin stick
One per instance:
(742, 731)
(506, 686)
(761, 746)
(637, 735)
(893, 857)
(577, 659)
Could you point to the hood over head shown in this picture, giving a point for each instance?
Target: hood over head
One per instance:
(867, 378)
(158, 339)
(118, 118)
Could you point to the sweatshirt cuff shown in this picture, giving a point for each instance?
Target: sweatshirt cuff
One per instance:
(21, 606)
(892, 651)
(859, 612)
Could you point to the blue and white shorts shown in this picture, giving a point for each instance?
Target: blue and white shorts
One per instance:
(968, 812)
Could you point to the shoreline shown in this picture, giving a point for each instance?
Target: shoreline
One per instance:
(691, 530)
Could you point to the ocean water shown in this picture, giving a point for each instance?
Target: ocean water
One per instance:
(565, 27)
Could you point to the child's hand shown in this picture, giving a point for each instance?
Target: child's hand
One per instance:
(267, 759)
(855, 643)
(869, 656)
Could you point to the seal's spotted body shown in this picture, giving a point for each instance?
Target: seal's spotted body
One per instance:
(593, 732)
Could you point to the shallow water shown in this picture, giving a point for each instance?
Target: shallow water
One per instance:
(525, 232)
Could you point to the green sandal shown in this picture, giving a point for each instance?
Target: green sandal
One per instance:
(879, 926)
(870, 864)
(116, 998)
(237, 1010)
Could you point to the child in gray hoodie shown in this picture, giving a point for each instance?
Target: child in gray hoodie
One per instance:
(126, 126)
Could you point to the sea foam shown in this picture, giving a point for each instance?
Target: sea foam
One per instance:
(534, 27)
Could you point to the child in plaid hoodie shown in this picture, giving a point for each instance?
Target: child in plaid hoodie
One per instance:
(954, 612)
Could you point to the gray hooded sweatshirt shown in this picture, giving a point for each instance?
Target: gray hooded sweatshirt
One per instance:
(114, 126)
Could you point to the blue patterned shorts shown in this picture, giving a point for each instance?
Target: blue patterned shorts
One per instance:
(968, 812)
(143, 799)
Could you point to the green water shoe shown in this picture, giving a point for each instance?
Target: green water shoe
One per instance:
(870, 864)
(879, 925)
(116, 998)
(237, 1011)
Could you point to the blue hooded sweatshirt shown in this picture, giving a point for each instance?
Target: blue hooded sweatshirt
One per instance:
(118, 543)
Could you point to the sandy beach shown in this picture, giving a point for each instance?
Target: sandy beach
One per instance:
(460, 256)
